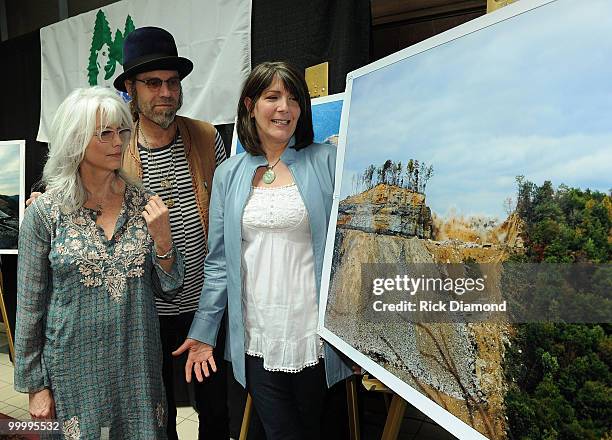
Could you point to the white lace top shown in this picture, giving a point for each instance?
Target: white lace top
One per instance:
(279, 297)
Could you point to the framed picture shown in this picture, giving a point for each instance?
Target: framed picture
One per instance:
(12, 193)
(436, 144)
(326, 113)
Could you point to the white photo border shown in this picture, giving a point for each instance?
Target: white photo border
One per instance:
(21, 144)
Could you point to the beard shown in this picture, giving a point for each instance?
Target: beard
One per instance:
(164, 117)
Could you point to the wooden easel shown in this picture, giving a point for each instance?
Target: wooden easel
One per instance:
(395, 410)
(395, 413)
(5, 318)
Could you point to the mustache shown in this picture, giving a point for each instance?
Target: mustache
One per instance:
(165, 100)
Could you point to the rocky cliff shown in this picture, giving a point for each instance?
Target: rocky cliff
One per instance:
(387, 209)
(459, 366)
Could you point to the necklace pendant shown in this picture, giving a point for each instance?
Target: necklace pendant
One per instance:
(170, 203)
(98, 209)
(165, 183)
(269, 176)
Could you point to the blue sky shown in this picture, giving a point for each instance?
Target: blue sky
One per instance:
(9, 169)
(531, 95)
(326, 119)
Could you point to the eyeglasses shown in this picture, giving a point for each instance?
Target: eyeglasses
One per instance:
(155, 84)
(107, 135)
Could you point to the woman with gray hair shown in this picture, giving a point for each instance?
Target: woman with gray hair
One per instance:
(93, 250)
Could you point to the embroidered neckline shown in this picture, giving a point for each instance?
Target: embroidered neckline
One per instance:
(88, 248)
(270, 188)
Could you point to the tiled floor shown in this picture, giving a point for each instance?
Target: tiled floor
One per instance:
(15, 404)
(12, 403)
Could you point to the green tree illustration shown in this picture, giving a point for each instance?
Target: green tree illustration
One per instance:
(101, 35)
(118, 45)
(128, 29)
(115, 56)
(116, 51)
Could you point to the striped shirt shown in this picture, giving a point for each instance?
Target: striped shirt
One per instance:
(168, 164)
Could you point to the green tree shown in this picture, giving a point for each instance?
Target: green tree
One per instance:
(559, 375)
(116, 54)
(368, 175)
(427, 174)
(387, 170)
(101, 35)
(410, 174)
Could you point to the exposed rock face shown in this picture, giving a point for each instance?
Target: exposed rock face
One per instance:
(387, 209)
(479, 230)
(458, 366)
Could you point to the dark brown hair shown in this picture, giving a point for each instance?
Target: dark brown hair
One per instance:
(259, 80)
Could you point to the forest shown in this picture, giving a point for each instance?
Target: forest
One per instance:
(558, 374)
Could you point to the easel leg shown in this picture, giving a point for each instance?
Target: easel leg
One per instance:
(246, 418)
(353, 408)
(394, 418)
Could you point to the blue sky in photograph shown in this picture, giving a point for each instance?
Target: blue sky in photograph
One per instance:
(531, 95)
(9, 169)
(325, 121)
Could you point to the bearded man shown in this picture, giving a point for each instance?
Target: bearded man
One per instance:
(175, 157)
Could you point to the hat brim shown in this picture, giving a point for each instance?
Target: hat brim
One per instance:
(182, 65)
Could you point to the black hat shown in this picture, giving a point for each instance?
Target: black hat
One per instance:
(150, 48)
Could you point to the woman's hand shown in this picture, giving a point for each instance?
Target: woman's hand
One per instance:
(42, 405)
(200, 355)
(157, 216)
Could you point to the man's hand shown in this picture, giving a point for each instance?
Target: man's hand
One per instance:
(33, 197)
(42, 405)
(199, 357)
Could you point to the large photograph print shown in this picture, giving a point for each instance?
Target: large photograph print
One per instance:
(11, 193)
(487, 143)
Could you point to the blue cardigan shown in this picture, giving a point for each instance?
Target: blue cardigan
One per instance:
(313, 170)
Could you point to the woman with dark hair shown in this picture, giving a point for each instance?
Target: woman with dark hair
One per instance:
(269, 212)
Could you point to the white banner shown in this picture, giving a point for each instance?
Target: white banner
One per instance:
(87, 50)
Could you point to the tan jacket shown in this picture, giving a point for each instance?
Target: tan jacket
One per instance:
(199, 140)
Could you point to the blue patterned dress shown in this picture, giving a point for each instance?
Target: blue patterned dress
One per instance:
(87, 326)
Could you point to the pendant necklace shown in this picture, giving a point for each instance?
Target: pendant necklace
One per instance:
(269, 175)
(99, 209)
(165, 182)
